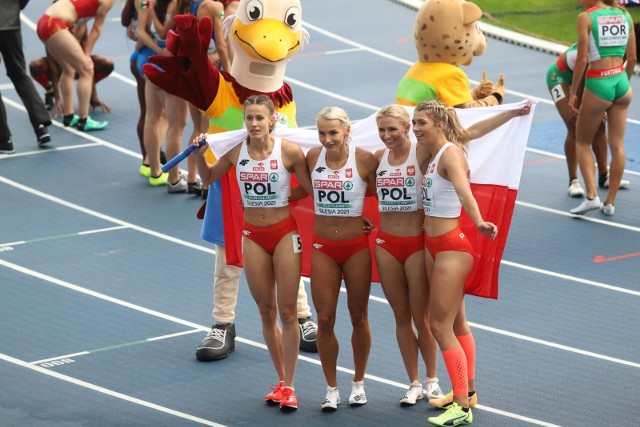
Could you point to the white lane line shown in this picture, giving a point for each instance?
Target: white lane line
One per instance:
(80, 289)
(108, 392)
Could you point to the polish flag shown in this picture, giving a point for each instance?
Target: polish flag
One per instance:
(495, 163)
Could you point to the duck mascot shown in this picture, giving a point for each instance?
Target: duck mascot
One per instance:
(447, 37)
(263, 35)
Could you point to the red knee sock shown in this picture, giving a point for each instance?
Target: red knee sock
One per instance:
(456, 363)
(469, 347)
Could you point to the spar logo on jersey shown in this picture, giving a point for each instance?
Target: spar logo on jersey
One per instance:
(259, 167)
(273, 164)
(390, 182)
(254, 177)
(411, 170)
(274, 177)
(323, 184)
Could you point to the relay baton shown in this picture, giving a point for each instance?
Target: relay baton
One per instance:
(180, 157)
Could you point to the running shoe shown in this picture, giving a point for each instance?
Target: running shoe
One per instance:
(72, 122)
(331, 399)
(414, 393)
(91, 124)
(145, 170)
(432, 388)
(308, 333)
(159, 180)
(288, 401)
(6, 147)
(218, 344)
(195, 187)
(586, 206)
(42, 132)
(179, 187)
(455, 415)
(274, 397)
(608, 210)
(605, 184)
(446, 400)
(575, 189)
(357, 396)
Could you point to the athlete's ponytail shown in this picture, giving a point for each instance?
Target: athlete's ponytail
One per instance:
(440, 113)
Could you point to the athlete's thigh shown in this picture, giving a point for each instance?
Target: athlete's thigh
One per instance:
(393, 280)
(66, 50)
(287, 262)
(450, 271)
(357, 278)
(590, 115)
(258, 270)
(617, 119)
(326, 276)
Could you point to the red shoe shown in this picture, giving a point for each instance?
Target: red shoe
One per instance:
(289, 401)
(275, 396)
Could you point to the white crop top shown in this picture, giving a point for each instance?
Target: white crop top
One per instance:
(263, 183)
(398, 187)
(439, 198)
(338, 192)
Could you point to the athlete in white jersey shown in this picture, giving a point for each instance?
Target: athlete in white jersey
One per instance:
(271, 247)
(449, 255)
(400, 249)
(341, 175)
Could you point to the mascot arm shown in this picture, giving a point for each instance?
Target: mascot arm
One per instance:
(494, 98)
(187, 74)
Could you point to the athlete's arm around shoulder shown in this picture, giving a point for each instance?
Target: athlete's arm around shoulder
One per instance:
(367, 165)
(294, 159)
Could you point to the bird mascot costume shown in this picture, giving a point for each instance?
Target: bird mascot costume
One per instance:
(263, 36)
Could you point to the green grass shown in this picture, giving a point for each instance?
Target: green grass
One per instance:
(553, 20)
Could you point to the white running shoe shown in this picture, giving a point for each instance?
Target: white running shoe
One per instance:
(586, 206)
(432, 388)
(331, 399)
(414, 393)
(623, 183)
(608, 210)
(357, 396)
(575, 189)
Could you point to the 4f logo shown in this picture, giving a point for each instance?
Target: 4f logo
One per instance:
(321, 169)
(382, 173)
(243, 162)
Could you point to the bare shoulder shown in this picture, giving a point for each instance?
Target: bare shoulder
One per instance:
(366, 159)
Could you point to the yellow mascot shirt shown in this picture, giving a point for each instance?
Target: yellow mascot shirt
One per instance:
(425, 81)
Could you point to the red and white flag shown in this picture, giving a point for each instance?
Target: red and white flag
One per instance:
(495, 161)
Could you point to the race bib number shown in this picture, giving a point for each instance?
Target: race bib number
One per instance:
(297, 243)
(557, 93)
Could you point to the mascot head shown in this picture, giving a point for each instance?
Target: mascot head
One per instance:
(264, 34)
(447, 31)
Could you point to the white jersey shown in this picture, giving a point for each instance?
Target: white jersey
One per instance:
(439, 198)
(338, 192)
(263, 183)
(398, 187)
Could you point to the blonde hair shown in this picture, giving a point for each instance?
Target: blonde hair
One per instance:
(394, 111)
(335, 113)
(440, 113)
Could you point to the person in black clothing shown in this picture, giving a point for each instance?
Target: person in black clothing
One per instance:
(12, 53)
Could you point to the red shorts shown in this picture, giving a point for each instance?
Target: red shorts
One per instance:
(455, 240)
(400, 247)
(341, 250)
(48, 26)
(269, 236)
